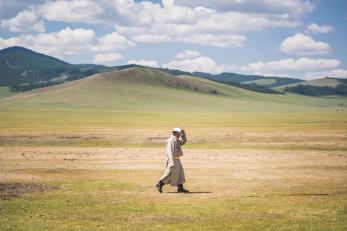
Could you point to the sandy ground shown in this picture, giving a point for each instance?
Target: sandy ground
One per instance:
(154, 158)
(218, 167)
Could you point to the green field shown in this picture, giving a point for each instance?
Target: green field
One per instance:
(5, 92)
(253, 161)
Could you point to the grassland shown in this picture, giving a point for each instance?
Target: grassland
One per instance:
(5, 92)
(253, 161)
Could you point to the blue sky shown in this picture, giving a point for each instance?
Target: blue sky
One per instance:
(296, 38)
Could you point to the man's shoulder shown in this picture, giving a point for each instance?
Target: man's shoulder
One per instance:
(172, 139)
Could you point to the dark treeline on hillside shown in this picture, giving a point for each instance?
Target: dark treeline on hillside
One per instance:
(37, 78)
(239, 78)
(340, 89)
(28, 87)
(173, 71)
(228, 79)
(252, 87)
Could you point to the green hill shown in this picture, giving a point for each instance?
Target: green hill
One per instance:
(134, 87)
(323, 82)
(5, 92)
(269, 82)
(145, 89)
(22, 69)
(318, 87)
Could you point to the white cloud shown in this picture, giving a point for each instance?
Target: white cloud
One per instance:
(335, 73)
(13, 41)
(188, 60)
(148, 38)
(61, 44)
(69, 41)
(319, 29)
(339, 73)
(24, 21)
(301, 64)
(107, 58)
(144, 62)
(217, 41)
(212, 23)
(243, 22)
(193, 63)
(111, 42)
(150, 22)
(301, 44)
(84, 11)
(187, 54)
(292, 7)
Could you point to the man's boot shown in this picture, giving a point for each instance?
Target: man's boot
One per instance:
(159, 186)
(181, 189)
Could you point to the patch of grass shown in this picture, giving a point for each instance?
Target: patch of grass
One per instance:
(5, 92)
(128, 201)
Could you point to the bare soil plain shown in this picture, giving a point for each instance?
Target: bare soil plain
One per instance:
(112, 188)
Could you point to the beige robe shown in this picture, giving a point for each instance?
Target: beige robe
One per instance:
(174, 172)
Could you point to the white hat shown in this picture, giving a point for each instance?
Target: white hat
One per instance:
(176, 130)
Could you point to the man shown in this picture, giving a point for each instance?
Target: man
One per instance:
(174, 172)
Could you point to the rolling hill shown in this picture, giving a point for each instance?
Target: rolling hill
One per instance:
(250, 82)
(22, 69)
(146, 89)
(269, 82)
(323, 82)
(318, 87)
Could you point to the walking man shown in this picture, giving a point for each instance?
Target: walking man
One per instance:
(174, 172)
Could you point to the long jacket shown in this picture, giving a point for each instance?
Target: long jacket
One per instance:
(173, 148)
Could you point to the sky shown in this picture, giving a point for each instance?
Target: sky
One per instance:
(303, 39)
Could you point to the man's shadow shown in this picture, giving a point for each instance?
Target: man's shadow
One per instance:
(196, 192)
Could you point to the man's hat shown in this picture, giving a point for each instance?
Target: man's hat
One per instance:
(176, 130)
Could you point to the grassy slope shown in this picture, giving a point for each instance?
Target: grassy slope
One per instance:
(262, 81)
(5, 92)
(323, 82)
(142, 89)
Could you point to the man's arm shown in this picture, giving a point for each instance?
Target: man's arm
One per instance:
(170, 152)
(184, 138)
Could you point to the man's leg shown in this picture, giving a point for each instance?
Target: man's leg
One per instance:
(165, 179)
(160, 185)
(181, 189)
(181, 180)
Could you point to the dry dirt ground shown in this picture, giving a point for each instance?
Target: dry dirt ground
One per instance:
(11, 190)
(90, 188)
(206, 170)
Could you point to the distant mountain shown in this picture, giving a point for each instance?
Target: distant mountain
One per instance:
(323, 82)
(268, 82)
(23, 69)
(319, 87)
